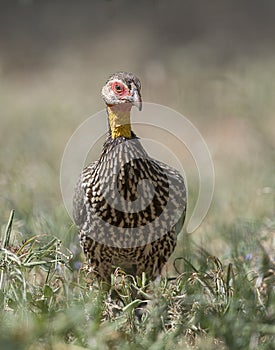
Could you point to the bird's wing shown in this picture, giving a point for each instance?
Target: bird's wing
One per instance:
(179, 188)
(79, 207)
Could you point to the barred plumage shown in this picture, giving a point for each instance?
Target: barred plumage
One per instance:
(128, 207)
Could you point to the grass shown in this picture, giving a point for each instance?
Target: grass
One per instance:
(48, 302)
(220, 289)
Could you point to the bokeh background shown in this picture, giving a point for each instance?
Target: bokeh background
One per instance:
(213, 61)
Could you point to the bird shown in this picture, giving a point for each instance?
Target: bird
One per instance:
(128, 207)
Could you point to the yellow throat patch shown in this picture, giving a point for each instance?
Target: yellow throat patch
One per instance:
(119, 120)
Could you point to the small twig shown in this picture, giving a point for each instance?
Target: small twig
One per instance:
(7, 234)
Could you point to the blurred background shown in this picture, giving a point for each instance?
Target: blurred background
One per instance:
(212, 61)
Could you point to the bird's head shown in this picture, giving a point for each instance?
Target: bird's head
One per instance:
(122, 88)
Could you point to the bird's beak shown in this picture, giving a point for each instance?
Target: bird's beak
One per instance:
(136, 97)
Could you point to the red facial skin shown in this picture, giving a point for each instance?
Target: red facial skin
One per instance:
(120, 90)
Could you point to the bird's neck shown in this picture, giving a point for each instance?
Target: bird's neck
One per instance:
(119, 120)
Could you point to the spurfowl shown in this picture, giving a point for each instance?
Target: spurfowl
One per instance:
(128, 207)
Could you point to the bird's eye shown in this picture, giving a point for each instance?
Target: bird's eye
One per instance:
(118, 88)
